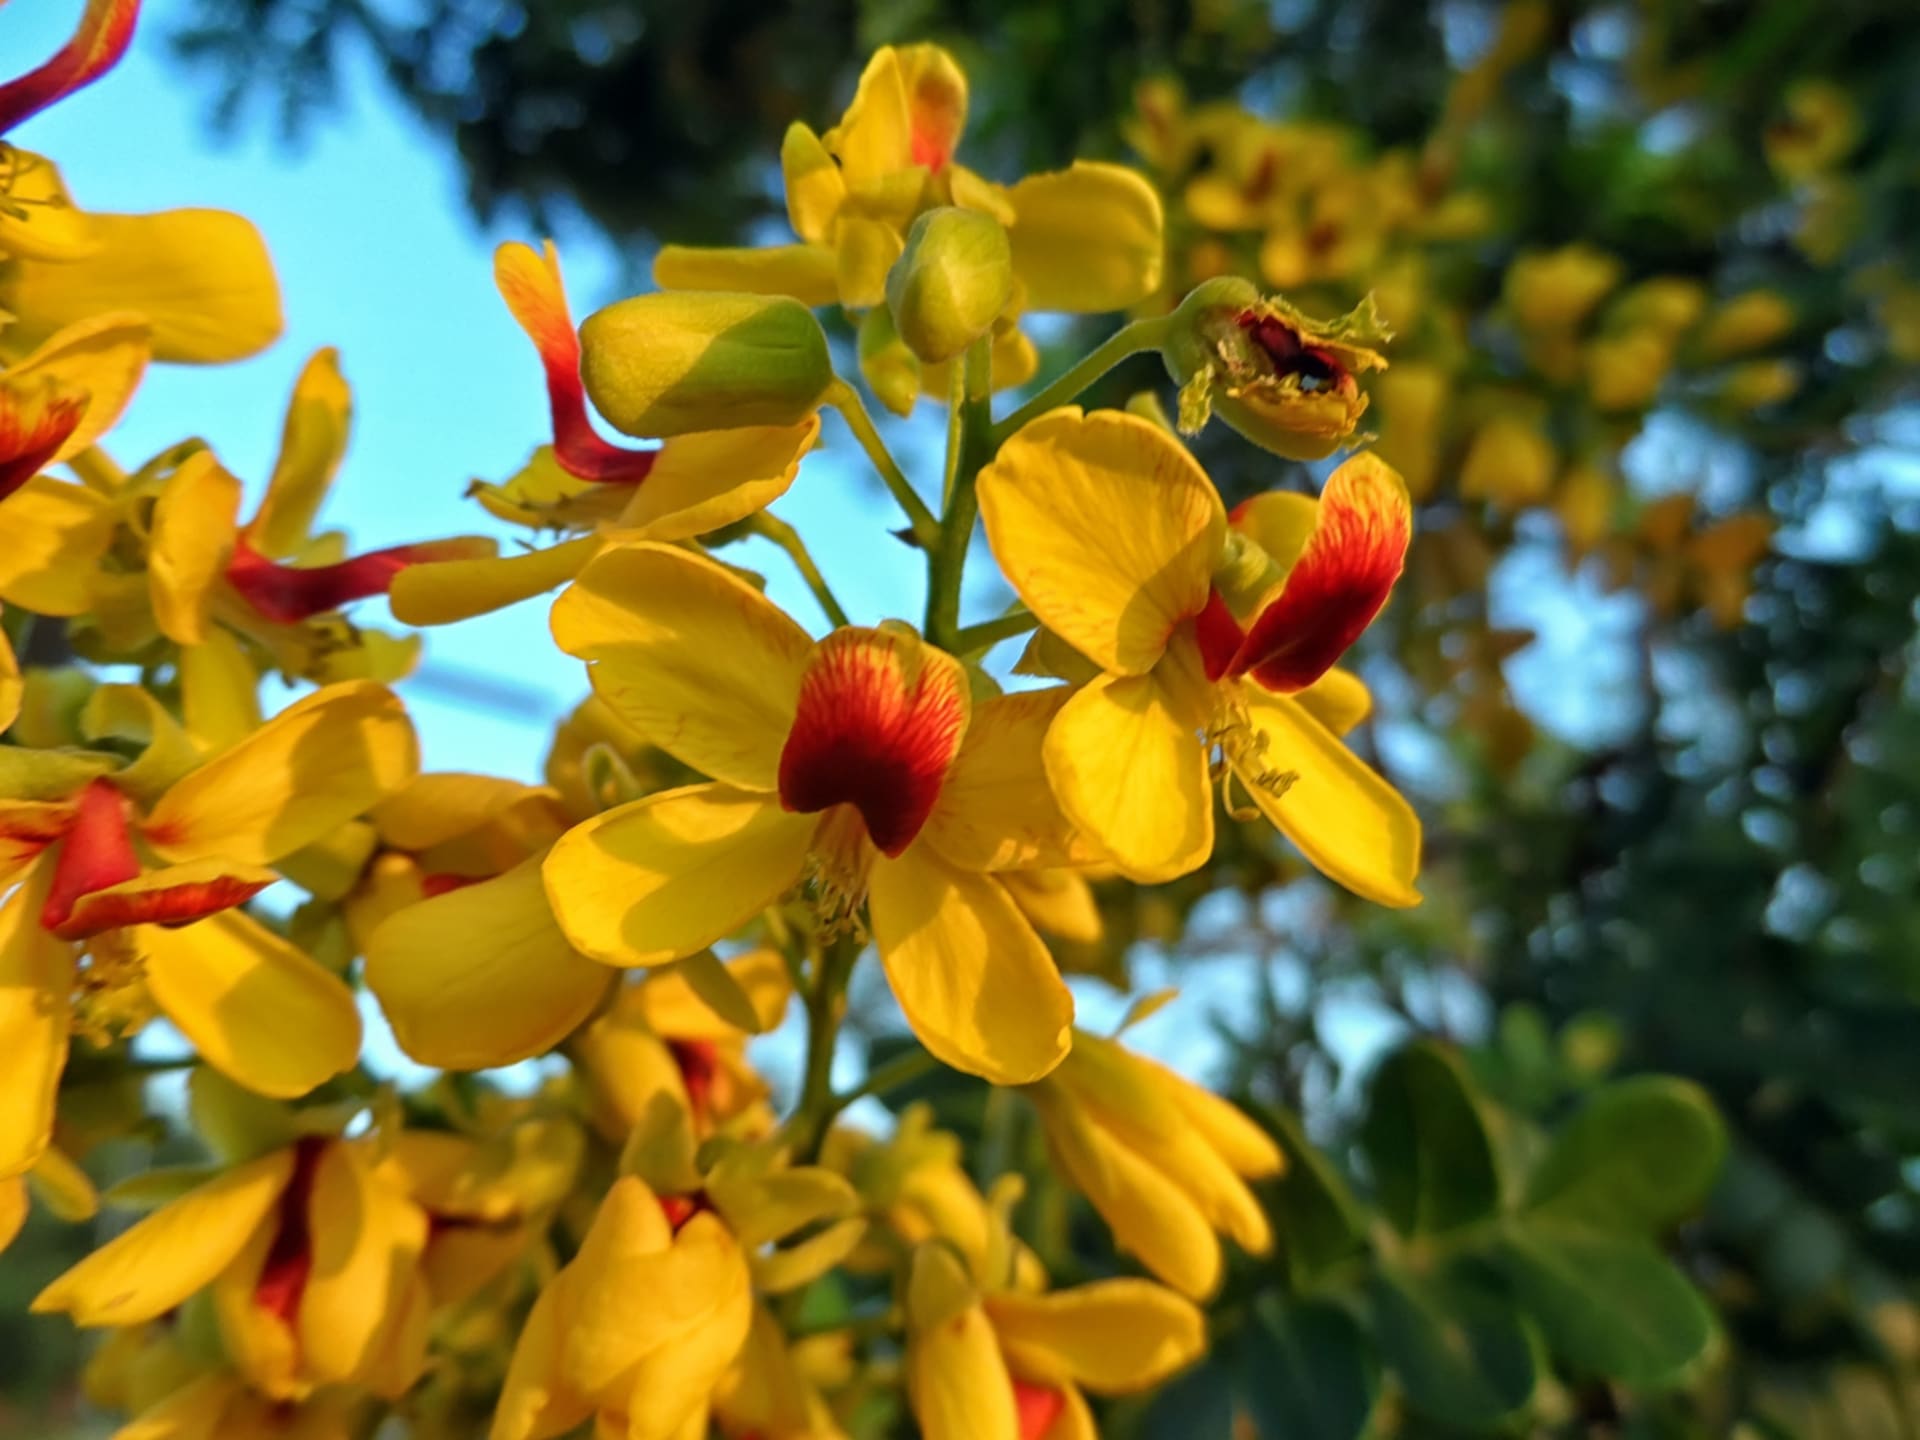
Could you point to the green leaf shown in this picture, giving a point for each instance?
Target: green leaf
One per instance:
(1608, 1304)
(1432, 1160)
(1317, 1218)
(1638, 1156)
(1196, 1405)
(1307, 1372)
(1464, 1356)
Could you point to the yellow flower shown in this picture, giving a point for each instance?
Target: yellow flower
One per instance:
(1745, 322)
(989, 1362)
(1164, 1161)
(165, 935)
(1819, 130)
(1511, 464)
(1112, 534)
(67, 394)
(310, 1257)
(850, 762)
(1555, 290)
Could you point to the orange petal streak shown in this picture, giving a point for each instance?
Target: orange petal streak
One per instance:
(530, 284)
(106, 28)
(1340, 582)
(288, 594)
(35, 421)
(152, 900)
(97, 853)
(880, 718)
(1037, 1406)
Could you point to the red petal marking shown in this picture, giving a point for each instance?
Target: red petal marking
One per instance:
(880, 718)
(97, 852)
(29, 826)
(531, 286)
(106, 28)
(1218, 634)
(699, 1062)
(679, 1209)
(1037, 1406)
(288, 594)
(169, 905)
(1291, 356)
(289, 1262)
(441, 883)
(35, 421)
(1340, 582)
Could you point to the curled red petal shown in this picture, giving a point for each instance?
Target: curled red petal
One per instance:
(699, 1065)
(288, 594)
(880, 718)
(289, 1263)
(105, 30)
(96, 854)
(1218, 634)
(158, 904)
(530, 284)
(1340, 582)
(35, 421)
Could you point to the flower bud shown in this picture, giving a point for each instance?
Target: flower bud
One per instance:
(679, 361)
(954, 278)
(1282, 380)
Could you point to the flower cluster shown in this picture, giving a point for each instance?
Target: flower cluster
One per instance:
(651, 1237)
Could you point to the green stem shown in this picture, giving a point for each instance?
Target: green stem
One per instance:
(1129, 339)
(844, 398)
(901, 1070)
(970, 447)
(788, 539)
(815, 1112)
(988, 633)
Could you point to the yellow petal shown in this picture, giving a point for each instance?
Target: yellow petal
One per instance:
(325, 759)
(865, 253)
(201, 279)
(805, 272)
(1113, 1336)
(697, 660)
(1130, 770)
(1280, 522)
(534, 1399)
(1353, 825)
(56, 535)
(670, 1004)
(367, 1238)
(1339, 700)
(1151, 1217)
(815, 189)
(713, 478)
(176, 1251)
(105, 356)
(12, 686)
(1107, 528)
(219, 691)
(977, 986)
(64, 1188)
(253, 1005)
(665, 876)
(440, 592)
(36, 987)
(996, 810)
(776, 1272)
(13, 1209)
(42, 223)
(1058, 902)
(481, 976)
(194, 524)
(1246, 1148)
(957, 1382)
(312, 443)
(1087, 238)
(873, 138)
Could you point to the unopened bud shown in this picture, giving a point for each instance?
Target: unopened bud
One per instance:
(951, 282)
(1282, 380)
(680, 361)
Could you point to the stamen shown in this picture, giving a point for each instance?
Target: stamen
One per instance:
(110, 998)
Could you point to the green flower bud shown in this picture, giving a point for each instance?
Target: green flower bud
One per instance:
(685, 360)
(1282, 380)
(951, 282)
(886, 364)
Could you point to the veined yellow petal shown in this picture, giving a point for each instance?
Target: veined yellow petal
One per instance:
(367, 1238)
(439, 592)
(805, 272)
(56, 535)
(194, 526)
(693, 657)
(325, 759)
(1113, 1336)
(979, 989)
(996, 810)
(176, 1251)
(662, 877)
(105, 356)
(715, 477)
(1353, 825)
(1129, 769)
(36, 988)
(254, 1006)
(201, 278)
(1087, 238)
(313, 441)
(1108, 529)
(482, 976)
